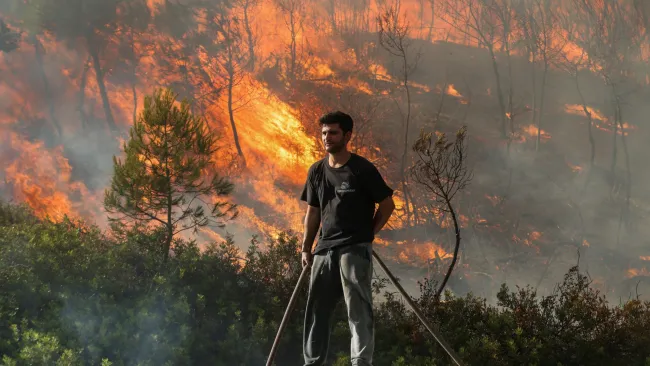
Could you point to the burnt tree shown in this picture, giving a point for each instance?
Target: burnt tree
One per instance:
(488, 23)
(393, 37)
(441, 168)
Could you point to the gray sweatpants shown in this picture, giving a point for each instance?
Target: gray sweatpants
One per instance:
(345, 271)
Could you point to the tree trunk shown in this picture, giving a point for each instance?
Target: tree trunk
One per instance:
(533, 73)
(433, 17)
(293, 45)
(541, 103)
(592, 142)
(38, 47)
(134, 78)
(614, 153)
(456, 248)
(82, 95)
(169, 225)
(406, 143)
(232, 119)
(502, 104)
(249, 35)
(99, 74)
(628, 177)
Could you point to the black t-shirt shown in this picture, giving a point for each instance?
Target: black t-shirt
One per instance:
(346, 197)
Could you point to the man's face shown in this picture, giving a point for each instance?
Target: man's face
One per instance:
(333, 138)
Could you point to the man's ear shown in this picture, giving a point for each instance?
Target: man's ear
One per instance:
(348, 136)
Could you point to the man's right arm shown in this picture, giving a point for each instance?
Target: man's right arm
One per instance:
(312, 222)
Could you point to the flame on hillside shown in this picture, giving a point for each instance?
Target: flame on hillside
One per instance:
(638, 272)
(600, 121)
(41, 178)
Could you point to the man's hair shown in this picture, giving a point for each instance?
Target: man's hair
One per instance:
(344, 120)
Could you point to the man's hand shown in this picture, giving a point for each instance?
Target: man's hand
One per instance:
(312, 222)
(385, 209)
(307, 258)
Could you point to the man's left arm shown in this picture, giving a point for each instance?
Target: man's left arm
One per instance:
(385, 209)
(382, 194)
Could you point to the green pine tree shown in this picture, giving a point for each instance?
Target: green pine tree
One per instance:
(167, 172)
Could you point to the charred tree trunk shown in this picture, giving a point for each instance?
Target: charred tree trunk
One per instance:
(628, 172)
(406, 143)
(135, 100)
(592, 142)
(533, 73)
(541, 103)
(82, 94)
(612, 167)
(293, 46)
(502, 104)
(134, 78)
(99, 75)
(433, 17)
(231, 115)
(249, 34)
(456, 248)
(39, 51)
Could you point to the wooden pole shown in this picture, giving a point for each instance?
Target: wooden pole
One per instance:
(434, 331)
(285, 319)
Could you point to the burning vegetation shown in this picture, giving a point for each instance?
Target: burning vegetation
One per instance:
(553, 93)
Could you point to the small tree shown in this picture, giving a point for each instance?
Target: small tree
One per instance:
(442, 170)
(164, 176)
(393, 37)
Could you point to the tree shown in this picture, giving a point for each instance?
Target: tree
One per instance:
(294, 16)
(232, 64)
(489, 24)
(393, 37)
(612, 37)
(539, 29)
(247, 7)
(442, 170)
(162, 179)
(94, 22)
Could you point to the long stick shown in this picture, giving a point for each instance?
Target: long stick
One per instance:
(434, 331)
(285, 319)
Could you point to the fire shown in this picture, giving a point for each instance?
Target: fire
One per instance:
(495, 200)
(605, 123)
(636, 272)
(379, 72)
(451, 90)
(645, 257)
(532, 130)
(277, 148)
(416, 252)
(575, 168)
(42, 179)
(272, 136)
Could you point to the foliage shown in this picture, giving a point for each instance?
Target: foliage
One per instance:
(168, 171)
(71, 296)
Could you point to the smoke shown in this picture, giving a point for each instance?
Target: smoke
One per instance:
(545, 209)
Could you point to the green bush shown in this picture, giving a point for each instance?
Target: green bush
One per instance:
(70, 295)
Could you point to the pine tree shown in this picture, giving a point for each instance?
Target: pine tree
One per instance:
(167, 172)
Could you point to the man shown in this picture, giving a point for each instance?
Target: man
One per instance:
(341, 192)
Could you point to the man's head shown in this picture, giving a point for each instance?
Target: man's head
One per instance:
(336, 130)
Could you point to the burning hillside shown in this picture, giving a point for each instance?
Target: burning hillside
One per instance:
(555, 112)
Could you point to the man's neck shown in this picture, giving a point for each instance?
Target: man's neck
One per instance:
(339, 159)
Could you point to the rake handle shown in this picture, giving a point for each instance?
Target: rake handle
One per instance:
(434, 332)
(287, 312)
